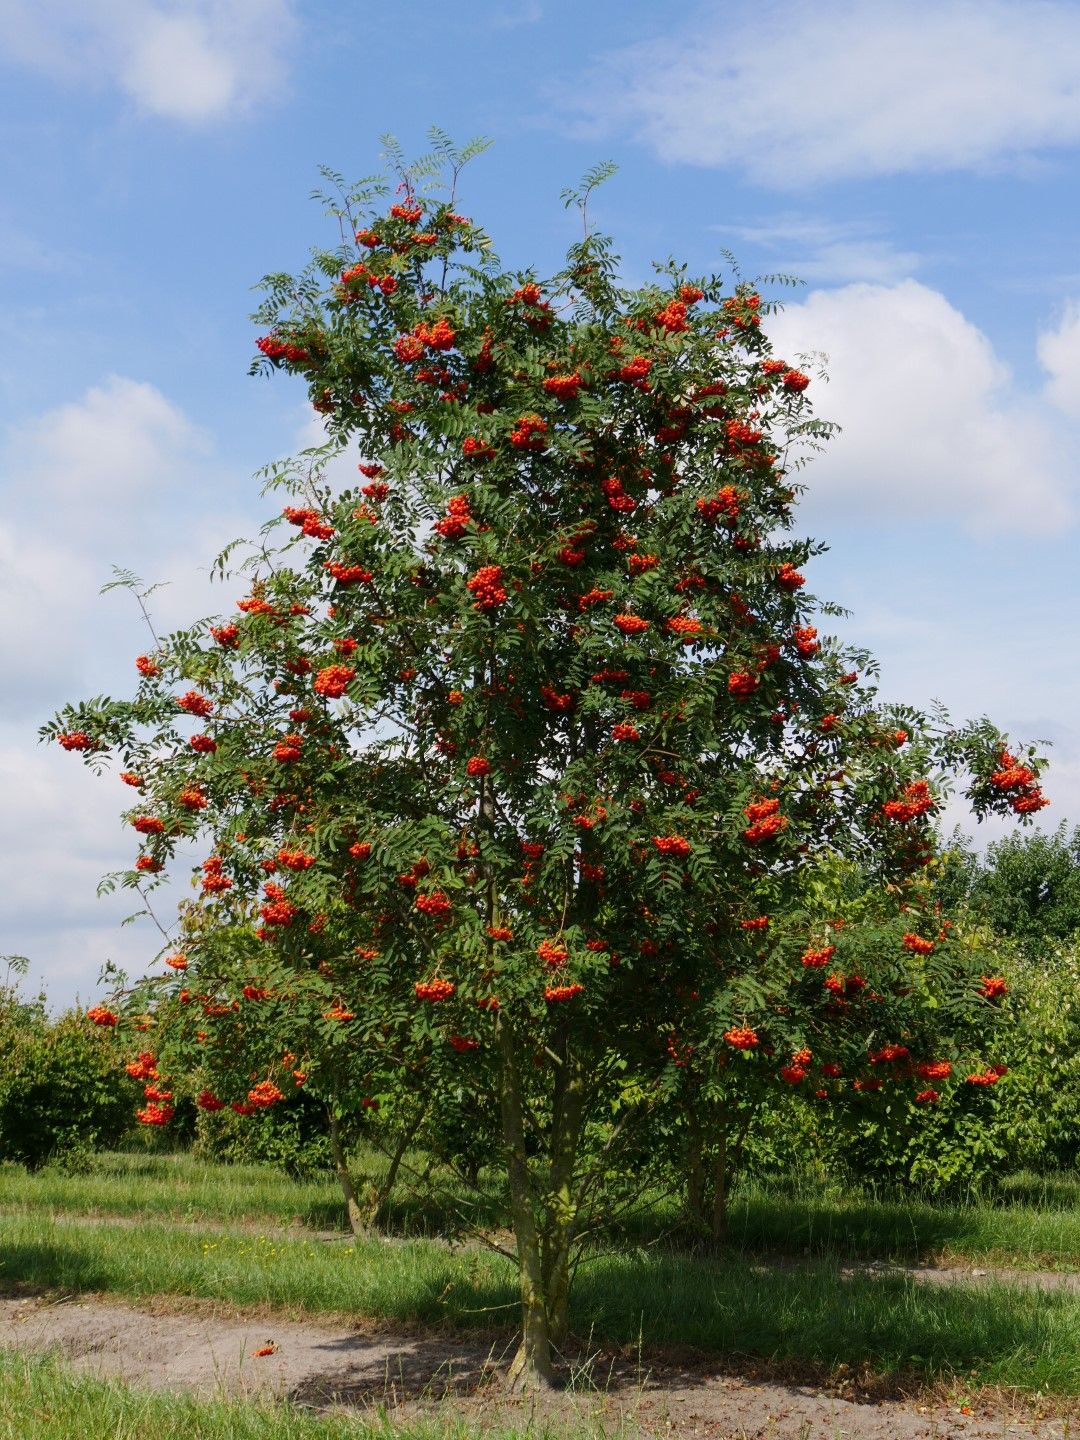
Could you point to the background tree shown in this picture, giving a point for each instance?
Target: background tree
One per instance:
(63, 1090)
(516, 746)
(880, 1056)
(1028, 887)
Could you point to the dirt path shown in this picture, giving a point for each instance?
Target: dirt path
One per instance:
(210, 1350)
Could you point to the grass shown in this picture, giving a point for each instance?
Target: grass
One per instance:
(175, 1187)
(180, 1187)
(1022, 1236)
(1038, 1229)
(815, 1316)
(414, 1281)
(41, 1400)
(734, 1303)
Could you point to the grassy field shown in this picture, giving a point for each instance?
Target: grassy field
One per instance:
(777, 1292)
(40, 1400)
(1038, 1227)
(175, 1187)
(813, 1315)
(179, 1187)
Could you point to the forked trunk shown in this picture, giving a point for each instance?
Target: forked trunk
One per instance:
(381, 1193)
(358, 1221)
(707, 1177)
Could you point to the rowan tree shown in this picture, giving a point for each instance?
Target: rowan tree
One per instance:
(516, 746)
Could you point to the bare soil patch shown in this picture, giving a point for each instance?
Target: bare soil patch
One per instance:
(210, 1349)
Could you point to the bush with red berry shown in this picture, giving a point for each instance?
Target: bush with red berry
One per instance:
(510, 748)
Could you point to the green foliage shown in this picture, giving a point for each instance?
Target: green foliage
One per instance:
(292, 1136)
(520, 761)
(977, 1135)
(62, 1085)
(1036, 1108)
(1028, 888)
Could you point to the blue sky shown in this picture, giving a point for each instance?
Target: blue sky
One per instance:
(916, 164)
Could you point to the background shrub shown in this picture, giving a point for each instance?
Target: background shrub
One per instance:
(62, 1082)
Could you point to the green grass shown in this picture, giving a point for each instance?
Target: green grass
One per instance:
(41, 1400)
(1021, 1236)
(814, 1315)
(180, 1187)
(411, 1281)
(175, 1187)
(1034, 1224)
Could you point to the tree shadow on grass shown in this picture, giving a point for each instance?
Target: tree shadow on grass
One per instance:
(809, 1314)
(909, 1232)
(1007, 1334)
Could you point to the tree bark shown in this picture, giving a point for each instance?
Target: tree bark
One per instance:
(385, 1190)
(695, 1169)
(531, 1368)
(718, 1226)
(567, 1118)
(358, 1224)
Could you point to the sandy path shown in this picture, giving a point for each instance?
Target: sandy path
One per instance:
(209, 1350)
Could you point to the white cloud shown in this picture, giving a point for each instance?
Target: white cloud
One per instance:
(124, 478)
(59, 833)
(813, 249)
(122, 444)
(47, 586)
(195, 61)
(174, 68)
(797, 91)
(943, 638)
(1059, 355)
(119, 475)
(527, 12)
(932, 425)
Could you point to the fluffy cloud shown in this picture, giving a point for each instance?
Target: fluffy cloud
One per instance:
(963, 634)
(198, 61)
(59, 833)
(47, 585)
(799, 91)
(123, 475)
(122, 444)
(120, 476)
(1059, 355)
(932, 425)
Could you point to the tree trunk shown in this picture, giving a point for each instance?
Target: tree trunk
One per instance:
(385, 1190)
(531, 1368)
(695, 1170)
(358, 1224)
(567, 1115)
(720, 1189)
